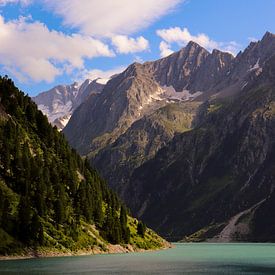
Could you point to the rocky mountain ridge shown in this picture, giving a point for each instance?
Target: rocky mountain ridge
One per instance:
(142, 89)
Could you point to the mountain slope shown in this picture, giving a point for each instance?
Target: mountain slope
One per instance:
(204, 177)
(50, 199)
(141, 141)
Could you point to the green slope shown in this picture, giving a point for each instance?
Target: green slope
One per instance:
(51, 199)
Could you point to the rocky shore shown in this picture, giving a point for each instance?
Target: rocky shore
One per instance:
(110, 249)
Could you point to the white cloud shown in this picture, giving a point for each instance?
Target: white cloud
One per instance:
(164, 49)
(30, 50)
(22, 2)
(110, 17)
(124, 44)
(96, 73)
(231, 47)
(183, 36)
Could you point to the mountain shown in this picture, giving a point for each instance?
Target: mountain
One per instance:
(217, 181)
(140, 90)
(59, 102)
(51, 200)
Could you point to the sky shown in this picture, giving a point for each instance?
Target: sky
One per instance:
(44, 43)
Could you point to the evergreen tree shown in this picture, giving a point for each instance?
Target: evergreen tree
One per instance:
(125, 231)
(141, 228)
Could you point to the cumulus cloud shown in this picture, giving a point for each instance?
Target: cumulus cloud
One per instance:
(124, 44)
(183, 36)
(29, 50)
(22, 2)
(109, 17)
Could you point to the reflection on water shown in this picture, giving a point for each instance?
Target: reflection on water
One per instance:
(203, 258)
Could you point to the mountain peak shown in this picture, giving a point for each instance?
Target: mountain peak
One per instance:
(133, 68)
(268, 35)
(193, 47)
(192, 44)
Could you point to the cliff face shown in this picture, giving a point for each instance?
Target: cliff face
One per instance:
(192, 68)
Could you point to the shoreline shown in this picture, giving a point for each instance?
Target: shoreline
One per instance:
(111, 249)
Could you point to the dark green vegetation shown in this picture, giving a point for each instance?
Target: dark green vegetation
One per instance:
(49, 196)
(141, 228)
(219, 176)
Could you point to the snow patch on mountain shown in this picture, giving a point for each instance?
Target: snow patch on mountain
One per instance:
(170, 94)
(151, 99)
(65, 120)
(102, 80)
(256, 66)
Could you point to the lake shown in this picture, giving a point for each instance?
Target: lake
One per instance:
(190, 258)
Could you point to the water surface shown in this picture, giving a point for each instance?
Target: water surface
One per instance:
(200, 258)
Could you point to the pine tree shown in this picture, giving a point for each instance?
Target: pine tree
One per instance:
(125, 231)
(141, 228)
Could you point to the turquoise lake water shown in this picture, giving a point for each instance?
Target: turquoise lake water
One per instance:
(199, 258)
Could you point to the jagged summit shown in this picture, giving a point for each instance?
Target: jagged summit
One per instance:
(193, 45)
(268, 35)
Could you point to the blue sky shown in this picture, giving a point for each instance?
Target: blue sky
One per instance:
(47, 42)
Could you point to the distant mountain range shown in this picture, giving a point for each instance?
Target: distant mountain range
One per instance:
(59, 103)
(188, 140)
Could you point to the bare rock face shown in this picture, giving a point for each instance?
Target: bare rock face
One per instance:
(246, 66)
(59, 103)
(192, 68)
